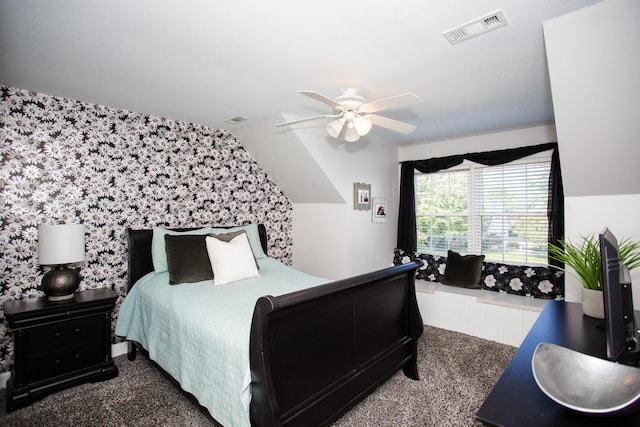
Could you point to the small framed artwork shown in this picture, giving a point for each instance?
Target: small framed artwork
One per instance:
(361, 196)
(379, 209)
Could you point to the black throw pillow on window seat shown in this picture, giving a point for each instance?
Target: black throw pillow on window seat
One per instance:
(463, 271)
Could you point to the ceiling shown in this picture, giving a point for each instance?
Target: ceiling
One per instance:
(206, 61)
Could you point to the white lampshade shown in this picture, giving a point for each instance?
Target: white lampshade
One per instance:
(60, 244)
(335, 127)
(351, 134)
(363, 125)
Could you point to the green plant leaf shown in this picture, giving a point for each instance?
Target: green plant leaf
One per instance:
(584, 258)
(629, 253)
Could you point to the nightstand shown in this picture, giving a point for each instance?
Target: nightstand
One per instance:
(59, 344)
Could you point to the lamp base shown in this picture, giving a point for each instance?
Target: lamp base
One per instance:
(60, 283)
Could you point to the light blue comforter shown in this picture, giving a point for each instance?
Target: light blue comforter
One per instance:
(199, 333)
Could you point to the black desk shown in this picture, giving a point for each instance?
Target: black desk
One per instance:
(516, 399)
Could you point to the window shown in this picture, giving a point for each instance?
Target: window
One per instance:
(499, 211)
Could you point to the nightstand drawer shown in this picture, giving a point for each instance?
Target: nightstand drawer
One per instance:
(60, 362)
(67, 333)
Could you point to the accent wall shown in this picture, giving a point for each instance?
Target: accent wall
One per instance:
(66, 161)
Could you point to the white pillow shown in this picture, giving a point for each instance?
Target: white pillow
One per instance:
(231, 261)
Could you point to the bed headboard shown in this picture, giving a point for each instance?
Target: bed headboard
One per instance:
(139, 256)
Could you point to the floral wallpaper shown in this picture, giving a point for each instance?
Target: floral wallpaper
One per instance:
(65, 161)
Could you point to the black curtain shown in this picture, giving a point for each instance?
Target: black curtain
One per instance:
(407, 210)
(555, 207)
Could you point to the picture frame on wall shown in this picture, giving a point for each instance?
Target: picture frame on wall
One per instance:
(361, 196)
(379, 210)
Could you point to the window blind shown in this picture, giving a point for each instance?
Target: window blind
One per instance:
(498, 211)
(509, 205)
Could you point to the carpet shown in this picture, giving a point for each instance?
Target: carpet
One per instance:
(457, 371)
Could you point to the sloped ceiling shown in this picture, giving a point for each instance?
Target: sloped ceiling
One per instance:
(207, 61)
(287, 161)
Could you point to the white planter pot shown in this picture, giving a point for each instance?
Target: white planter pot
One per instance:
(592, 303)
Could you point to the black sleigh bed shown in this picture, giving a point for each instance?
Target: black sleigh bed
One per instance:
(316, 352)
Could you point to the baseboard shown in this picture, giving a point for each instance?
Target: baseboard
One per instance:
(4, 377)
(119, 349)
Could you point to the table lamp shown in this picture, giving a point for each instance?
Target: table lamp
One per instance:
(58, 246)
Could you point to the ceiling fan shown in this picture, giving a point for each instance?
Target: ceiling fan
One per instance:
(353, 115)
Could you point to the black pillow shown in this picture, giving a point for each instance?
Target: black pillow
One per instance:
(463, 271)
(187, 258)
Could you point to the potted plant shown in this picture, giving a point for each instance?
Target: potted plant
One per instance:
(586, 266)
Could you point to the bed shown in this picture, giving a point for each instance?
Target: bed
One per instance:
(300, 358)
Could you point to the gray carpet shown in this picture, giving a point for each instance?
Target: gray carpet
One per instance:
(457, 372)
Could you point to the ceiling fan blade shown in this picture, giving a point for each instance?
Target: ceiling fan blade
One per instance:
(324, 99)
(397, 101)
(293, 122)
(392, 124)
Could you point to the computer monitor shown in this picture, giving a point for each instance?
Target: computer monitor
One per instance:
(622, 339)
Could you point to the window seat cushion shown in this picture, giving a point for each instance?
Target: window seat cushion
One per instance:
(529, 281)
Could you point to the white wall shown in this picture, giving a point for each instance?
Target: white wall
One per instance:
(317, 173)
(319, 231)
(591, 214)
(594, 67)
(334, 240)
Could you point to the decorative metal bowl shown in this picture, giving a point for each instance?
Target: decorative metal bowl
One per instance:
(585, 383)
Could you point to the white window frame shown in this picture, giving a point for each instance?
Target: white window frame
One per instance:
(474, 243)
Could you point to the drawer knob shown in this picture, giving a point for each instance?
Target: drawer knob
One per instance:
(57, 335)
(58, 361)
(76, 330)
(77, 357)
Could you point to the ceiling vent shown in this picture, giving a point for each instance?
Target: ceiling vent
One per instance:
(236, 119)
(476, 27)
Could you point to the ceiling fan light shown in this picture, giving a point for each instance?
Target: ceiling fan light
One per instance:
(351, 134)
(335, 127)
(363, 125)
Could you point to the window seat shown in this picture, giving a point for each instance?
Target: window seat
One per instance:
(496, 316)
(483, 296)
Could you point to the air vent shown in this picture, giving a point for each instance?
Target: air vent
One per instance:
(476, 27)
(236, 119)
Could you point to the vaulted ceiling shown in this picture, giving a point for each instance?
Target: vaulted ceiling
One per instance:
(206, 61)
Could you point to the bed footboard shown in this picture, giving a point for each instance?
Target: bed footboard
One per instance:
(317, 352)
